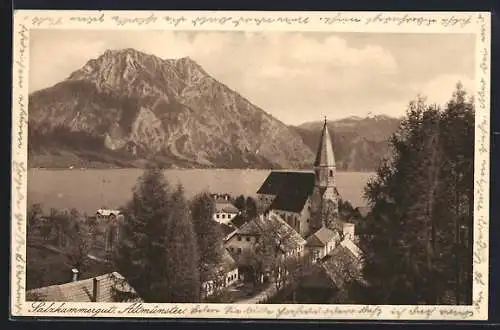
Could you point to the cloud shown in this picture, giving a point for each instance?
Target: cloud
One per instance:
(294, 76)
(440, 89)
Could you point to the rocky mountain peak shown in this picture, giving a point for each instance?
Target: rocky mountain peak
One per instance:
(170, 108)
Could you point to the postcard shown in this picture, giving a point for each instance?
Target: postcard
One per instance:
(250, 165)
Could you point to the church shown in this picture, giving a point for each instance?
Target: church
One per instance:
(307, 200)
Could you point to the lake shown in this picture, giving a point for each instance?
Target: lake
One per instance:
(90, 189)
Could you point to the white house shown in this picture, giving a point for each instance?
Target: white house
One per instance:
(226, 274)
(322, 242)
(241, 243)
(110, 222)
(225, 212)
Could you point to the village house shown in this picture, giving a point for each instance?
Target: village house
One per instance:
(226, 275)
(108, 223)
(243, 241)
(225, 211)
(330, 280)
(110, 287)
(322, 242)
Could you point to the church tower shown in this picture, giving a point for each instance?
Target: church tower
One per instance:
(325, 198)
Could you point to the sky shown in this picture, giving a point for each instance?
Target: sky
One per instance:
(295, 76)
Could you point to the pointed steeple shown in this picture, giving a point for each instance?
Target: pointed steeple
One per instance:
(325, 156)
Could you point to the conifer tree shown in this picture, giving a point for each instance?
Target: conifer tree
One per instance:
(419, 230)
(182, 260)
(158, 251)
(142, 254)
(208, 235)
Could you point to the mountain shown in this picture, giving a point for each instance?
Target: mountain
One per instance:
(127, 106)
(359, 143)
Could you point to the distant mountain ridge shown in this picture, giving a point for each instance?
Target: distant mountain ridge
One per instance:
(125, 107)
(359, 143)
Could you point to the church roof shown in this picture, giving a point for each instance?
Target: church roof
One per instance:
(290, 188)
(325, 156)
(283, 181)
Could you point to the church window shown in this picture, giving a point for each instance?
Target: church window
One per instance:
(331, 173)
(223, 216)
(217, 215)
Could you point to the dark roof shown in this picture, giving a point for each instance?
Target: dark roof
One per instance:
(281, 181)
(291, 189)
(249, 228)
(82, 291)
(325, 156)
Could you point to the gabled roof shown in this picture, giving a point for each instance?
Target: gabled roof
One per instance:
(287, 181)
(342, 266)
(226, 207)
(249, 228)
(290, 188)
(228, 263)
(271, 223)
(289, 237)
(321, 237)
(324, 155)
(82, 291)
(353, 248)
(291, 202)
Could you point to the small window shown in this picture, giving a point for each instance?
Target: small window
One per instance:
(331, 173)
(223, 216)
(239, 238)
(239, 250)
(217, 216)
(248, 238)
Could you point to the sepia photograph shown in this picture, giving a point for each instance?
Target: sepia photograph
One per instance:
(250, 167)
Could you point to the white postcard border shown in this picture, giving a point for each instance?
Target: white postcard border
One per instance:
(369, 22)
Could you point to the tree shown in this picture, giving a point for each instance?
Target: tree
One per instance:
(208, 236)
(240, 204)
(421, 206)
(157, 252)
(250, 207)
(79, 235)
(182, 273)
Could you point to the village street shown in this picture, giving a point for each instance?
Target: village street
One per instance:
(267, 292)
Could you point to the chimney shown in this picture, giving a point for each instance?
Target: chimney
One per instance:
(74, 273)
(96, 289)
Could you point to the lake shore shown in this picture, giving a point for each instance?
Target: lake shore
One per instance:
(90, 189)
